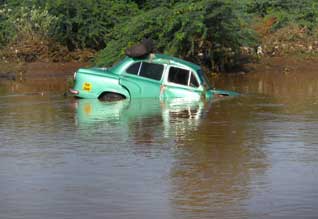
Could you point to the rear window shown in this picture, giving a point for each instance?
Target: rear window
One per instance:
(134, 68)
(151, 70)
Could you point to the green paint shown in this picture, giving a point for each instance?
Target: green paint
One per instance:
(92, 82)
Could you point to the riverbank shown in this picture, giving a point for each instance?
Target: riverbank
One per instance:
(284, 65)
(38, 70)
(19, 71)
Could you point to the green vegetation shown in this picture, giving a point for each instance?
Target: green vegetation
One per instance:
(213, 28)
(208, 32)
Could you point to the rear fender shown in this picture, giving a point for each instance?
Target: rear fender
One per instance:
(119, 90)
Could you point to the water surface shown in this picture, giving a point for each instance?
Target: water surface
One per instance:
(254, 156)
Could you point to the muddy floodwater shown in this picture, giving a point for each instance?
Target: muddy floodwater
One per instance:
(254, 156)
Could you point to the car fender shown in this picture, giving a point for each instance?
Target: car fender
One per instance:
(116, 89)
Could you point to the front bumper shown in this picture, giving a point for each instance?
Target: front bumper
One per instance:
(72, 91)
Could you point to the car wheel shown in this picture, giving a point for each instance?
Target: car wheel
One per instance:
(108, 96)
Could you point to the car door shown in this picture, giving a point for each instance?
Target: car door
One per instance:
(181, 83)
(143, 79)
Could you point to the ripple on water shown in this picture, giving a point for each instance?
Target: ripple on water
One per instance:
(253, 156)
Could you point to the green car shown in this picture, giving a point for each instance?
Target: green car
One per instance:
(155, 76)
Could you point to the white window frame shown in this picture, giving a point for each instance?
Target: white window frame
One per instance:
(189, 77)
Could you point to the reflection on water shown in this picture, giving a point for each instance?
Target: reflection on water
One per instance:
(254, 156)
(146, 121)
(37, 86)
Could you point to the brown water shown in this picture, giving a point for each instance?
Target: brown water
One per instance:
(255, 156)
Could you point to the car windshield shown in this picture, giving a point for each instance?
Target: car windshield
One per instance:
(204, 79)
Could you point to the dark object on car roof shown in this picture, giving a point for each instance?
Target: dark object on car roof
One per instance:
(141, 50)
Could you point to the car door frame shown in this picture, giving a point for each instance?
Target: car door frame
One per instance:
(196, 91)
(134, 79)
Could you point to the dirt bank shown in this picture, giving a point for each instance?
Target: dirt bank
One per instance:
(42, 70)
(38, 70)
(284, 65)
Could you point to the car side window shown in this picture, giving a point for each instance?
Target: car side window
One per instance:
(151, 70)
(178, 76)
(193, 81)
(134, 68)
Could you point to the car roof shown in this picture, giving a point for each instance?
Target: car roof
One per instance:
(166, 59)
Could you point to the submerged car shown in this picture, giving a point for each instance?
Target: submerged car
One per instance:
(154, 76)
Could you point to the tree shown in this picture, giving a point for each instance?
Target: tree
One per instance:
(83, 23)
(211, 27)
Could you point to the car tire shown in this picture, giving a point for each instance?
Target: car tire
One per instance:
(109, 97)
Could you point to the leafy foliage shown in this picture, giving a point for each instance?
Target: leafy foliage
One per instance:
(25, 22)
(7, 30)
(209, 32)
(210, 27)
(301, 12)
(83, 23)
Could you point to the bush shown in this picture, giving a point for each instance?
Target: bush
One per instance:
(215, 29)
(302, 12)
(7, 31)
(211, 27)
(84, 23)
(25, 23)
